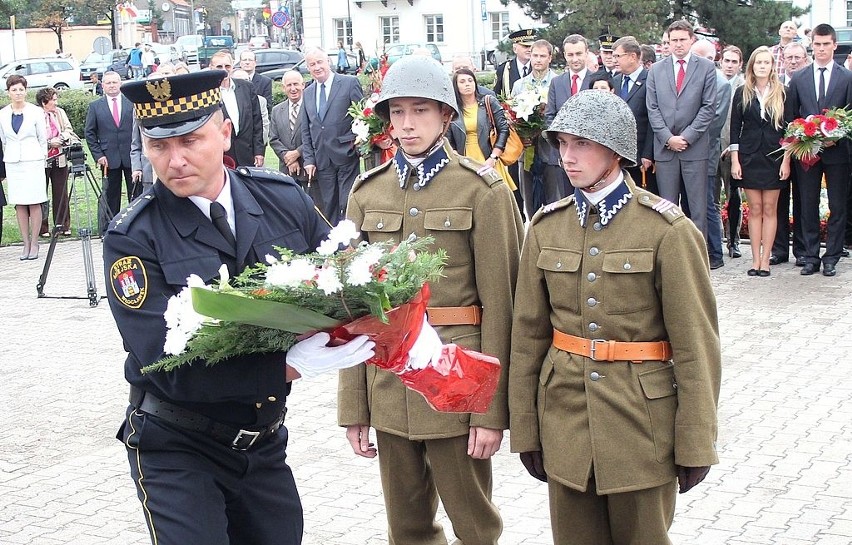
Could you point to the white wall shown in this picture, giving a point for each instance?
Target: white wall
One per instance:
(832, 12)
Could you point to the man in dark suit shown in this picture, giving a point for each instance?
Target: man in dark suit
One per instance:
(514, 69)
(822, 85)
(262, 85)
(576, 78)
(328, 141)
(630, 85)
(109, 130)
(243, 109)
(609, 64)
(681, 99)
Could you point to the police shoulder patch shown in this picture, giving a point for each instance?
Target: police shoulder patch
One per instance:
(121, 222)
(129, 281)
(665, 208)
(262, 173)
(364, 176)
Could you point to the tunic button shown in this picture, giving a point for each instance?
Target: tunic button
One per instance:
(447, 222)
(380, 225)
(592, 301)
(627, 266)
(413, 212)
(559, 265)
(593, 326)
(592, 277)
(417, 187)
(597, 226)
(644, 198)
(272, 399)
(594, 375)
(594, 251)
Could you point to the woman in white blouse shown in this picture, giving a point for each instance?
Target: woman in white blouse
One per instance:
(23, 132)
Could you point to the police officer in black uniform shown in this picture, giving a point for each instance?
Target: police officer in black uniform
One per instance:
(206, 445)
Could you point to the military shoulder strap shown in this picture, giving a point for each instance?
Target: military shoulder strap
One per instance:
(267, 174)
(665, 208)
(364, 176)
(561, 204)
(121, 222)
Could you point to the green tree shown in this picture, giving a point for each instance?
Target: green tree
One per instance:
(93, 10)
(216, 11)
(54, 14)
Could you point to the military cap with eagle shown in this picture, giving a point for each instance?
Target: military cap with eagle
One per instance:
(607, 41)
(523, 37)
(175, 105)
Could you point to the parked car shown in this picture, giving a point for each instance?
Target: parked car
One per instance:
(259, 42)
(187, 47)
(396, 52)
(271, 59)
(844, 44)
(332, 62)
(212, 44)
(165, 53)
(112, 61)
(44, 72)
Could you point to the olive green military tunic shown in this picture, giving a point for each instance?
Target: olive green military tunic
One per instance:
(634, 270)
(475, 219)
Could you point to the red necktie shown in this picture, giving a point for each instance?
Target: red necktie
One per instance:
(115, 112)
(681, 75)
(574, 79)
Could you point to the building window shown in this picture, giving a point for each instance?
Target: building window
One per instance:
(848, 12)
(390, 29)
(435, 28)
(499, 24)
(343, 31)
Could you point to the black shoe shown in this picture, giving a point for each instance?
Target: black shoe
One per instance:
(752, 272)
(844, 252)
(800, 261)
(775, 260)
(734, 251)
(716, 263)
(763, 272)
(808, 269)
(829, 269)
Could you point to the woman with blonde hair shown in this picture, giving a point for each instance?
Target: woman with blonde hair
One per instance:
(757, 125)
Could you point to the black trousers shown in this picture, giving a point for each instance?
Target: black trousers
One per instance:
(196, 491)
(837, 186)
(781, 246)
(110, 204)
(334, 183)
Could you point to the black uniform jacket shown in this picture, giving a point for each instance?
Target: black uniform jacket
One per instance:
(158, 241)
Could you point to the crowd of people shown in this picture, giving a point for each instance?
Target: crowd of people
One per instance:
(580, 301)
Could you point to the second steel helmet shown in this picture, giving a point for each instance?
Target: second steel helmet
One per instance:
(416, 76)
(598, 116)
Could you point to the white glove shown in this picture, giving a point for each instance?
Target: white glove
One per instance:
(426, 349)
(311, 357)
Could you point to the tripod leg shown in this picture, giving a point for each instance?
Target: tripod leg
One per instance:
(42, 280)
(91, 285)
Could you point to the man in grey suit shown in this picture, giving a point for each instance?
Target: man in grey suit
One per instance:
(285, 135)
(576, 78)
(681, 99)
(109, 130)
(328, 148)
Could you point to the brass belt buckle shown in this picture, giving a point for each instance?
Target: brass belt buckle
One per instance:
(244, 434)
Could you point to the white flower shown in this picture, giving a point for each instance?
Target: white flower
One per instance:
(328, 280)
(181, 319)
(224, 276)
(290, 275)
(270, 260)
(361, 130)
(360, 270)
(343, 233)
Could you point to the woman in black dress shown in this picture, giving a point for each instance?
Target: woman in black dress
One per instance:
(757, 126)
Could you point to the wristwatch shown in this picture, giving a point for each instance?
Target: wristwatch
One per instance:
(493, 156)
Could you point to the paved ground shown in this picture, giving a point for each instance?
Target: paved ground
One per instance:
(785, 475)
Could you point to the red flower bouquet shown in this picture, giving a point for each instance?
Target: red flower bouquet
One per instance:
(805, 138)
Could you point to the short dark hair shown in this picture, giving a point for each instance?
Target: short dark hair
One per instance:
(681, 25)
(43, 96)
(601, 76)
(15, 79)
(575, 39)
(735, 50)
(649, 54)
(825, 30)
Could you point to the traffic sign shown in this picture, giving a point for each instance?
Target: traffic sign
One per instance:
(102, 45)
(280, 19)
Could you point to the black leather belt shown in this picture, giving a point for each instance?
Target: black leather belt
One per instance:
(236, 438)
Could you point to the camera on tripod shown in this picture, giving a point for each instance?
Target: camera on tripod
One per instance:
(77, 157)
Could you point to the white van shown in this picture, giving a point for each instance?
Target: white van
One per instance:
(187, 47)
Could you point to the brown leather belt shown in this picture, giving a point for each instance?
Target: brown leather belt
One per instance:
(471, 315)
(603, 350)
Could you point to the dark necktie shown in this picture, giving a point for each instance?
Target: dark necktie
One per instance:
(821, 97)
(625, 87)
(526, 70)
(321, 108)
(219, 217)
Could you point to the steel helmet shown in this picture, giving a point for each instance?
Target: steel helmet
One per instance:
(599, 116)
(416, 76)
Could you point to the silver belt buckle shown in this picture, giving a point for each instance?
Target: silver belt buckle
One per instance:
(235, 444)
(594, 347)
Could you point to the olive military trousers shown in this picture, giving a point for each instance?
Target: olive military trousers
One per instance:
(415, 474)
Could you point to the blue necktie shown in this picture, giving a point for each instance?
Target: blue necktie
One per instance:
(321, 108)
(624, 86)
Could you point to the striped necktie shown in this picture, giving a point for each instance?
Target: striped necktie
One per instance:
(294, 115)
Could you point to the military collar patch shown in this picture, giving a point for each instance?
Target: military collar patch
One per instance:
(129, 281)
(428, 169)
(608, 207)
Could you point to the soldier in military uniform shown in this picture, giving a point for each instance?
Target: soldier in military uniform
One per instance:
(609, 65)
(429, 190)
(616, 366)
(206, 445)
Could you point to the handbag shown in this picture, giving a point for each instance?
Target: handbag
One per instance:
(514, 146)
